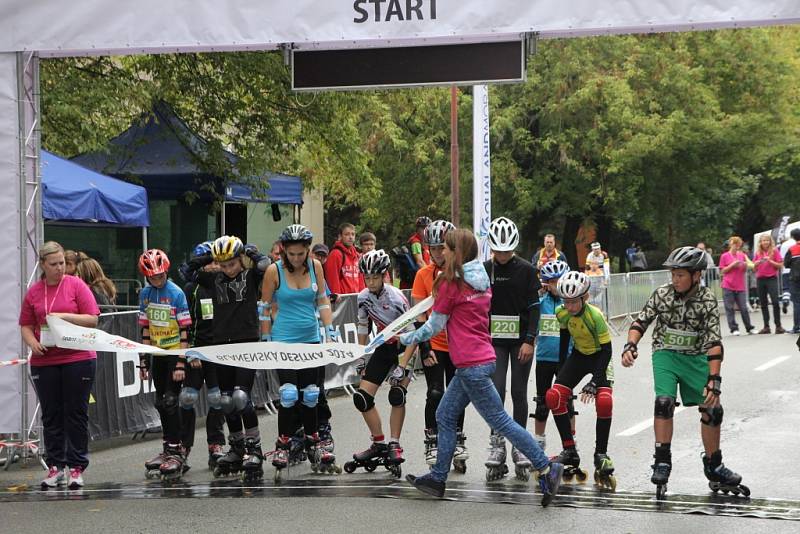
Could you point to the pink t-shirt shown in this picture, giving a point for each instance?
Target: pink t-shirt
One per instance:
(734, 279)
(766, 269)
(468, 326)
(73, 296)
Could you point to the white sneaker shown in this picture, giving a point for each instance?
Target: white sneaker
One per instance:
(75, 477)
(55, 477)
(736, 333)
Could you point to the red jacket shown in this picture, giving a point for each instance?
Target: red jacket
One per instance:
(341, 270)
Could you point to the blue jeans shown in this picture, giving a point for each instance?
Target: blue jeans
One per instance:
(475, 385)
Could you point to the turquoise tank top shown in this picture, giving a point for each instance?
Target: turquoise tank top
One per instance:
(296, 321)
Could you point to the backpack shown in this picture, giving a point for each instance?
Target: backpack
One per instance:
(404, 263)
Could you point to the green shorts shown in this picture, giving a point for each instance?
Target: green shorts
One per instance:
(671, 368)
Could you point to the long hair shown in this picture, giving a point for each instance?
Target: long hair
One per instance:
(770, 248)
(286, 263)
(90, 271)
(464, 248)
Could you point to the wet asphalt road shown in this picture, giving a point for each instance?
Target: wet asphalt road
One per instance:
(761, 387)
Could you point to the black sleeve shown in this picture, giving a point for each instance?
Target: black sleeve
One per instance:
(533, 288)
(787, 259)
(196, 264)
(603, 357)
(563, 346)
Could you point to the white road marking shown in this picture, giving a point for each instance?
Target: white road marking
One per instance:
(772, 363)
(644, 425)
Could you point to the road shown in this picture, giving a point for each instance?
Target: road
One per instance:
(761, 387)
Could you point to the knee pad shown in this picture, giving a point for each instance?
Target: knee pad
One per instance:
(604, 403)
(363, 401)
(540, 414)
(289, 395)
(665, 407)
(214, 399)
(397, 395)
(557, 398)
(435, 396)
(310, 395)
(226, 403)
(188, 397)
(241, 400)
(169, 402)
(711, 416)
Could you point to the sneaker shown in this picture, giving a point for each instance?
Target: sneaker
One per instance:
(735, 333)
(550, 482)
(55, 477)
(779, 330)
(752, 330)
(426, 484)
(766, 330)
(75, 477)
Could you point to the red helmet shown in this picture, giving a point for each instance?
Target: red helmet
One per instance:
(153, 262)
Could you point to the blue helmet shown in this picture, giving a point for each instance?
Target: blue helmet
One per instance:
(201, 249)
(553, 269)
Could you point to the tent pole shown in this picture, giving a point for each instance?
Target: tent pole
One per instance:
(144, 238)
(222, 220)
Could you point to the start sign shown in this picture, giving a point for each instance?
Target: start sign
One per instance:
(393, 10)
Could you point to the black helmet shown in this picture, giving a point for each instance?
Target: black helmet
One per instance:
(795, 234)
(689, 258)
(423, 221)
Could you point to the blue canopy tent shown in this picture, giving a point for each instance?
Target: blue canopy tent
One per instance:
(75, 194)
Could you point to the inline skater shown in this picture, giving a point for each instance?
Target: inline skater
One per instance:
(201, 334)
(235, 288)
(687, 328)
(164, 321)
(552, 348)
(378, 305)
(294, 298)
(439, 369)
(590, 355)
(514, 322)
(462, 303)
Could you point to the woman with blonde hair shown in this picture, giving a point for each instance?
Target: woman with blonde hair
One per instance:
(103, 289)
(63, 378)
(768, 265)
(733, 266)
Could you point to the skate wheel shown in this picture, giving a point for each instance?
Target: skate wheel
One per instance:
(661, 492)
(745, 490)
(460, 466)
(581, 476)
(278, 475)
(350, 467)
(369, 468)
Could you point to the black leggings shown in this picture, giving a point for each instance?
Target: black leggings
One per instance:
(231, 378)
(287, 417)
(167, 391)
(769, 286)
(545, 374)
(215, 420)
(520, 372)
(435, 377)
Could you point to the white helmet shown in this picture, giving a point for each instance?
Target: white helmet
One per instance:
(574, 284)
(435, 232)
(374, 262)
(503, 235)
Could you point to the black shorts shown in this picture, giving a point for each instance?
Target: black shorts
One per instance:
(381, 362)
(576, 367)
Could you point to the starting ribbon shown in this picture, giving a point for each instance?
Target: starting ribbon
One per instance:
(18, 361)
(251, 355)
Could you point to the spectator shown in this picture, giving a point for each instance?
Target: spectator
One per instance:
(63, 378)
(547, 253)
(733, 265)
(320, 252)
(638, 261)
(341, 269)
(72, 259)
(367, 242)
(103, 289)
(792, 261)
(786, 296)
(597, 261)
(768, 263)
(275, 251)
(416, 243)
(630, 251)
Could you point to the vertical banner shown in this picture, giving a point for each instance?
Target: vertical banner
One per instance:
(481, 168)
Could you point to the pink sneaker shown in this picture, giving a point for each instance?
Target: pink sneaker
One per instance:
(55, 477)
(75, 477)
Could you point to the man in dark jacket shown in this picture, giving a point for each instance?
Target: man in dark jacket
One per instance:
(792, 262)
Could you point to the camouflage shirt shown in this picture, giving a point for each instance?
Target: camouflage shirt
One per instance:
(688, 325)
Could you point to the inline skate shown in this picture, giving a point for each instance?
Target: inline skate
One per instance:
(431, 447)
(153, 466)
(461, 454)
(321, 460)
(215, 452)
(720, 478)
(377, 455)
(252, 466)
(604, 472)
(522, 465)
(571, 461)
(231, 462)
(660, 477)
(174, 465)
(496, 467)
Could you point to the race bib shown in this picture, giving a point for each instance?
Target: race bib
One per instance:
(505, 326)
(679, 340)
(207, 309)
(549, 326)
(46, 336)
(159, 314)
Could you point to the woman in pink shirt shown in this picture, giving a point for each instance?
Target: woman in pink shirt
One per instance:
(462, 300)
(768, 265)
(63, 378)
(733, 266)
